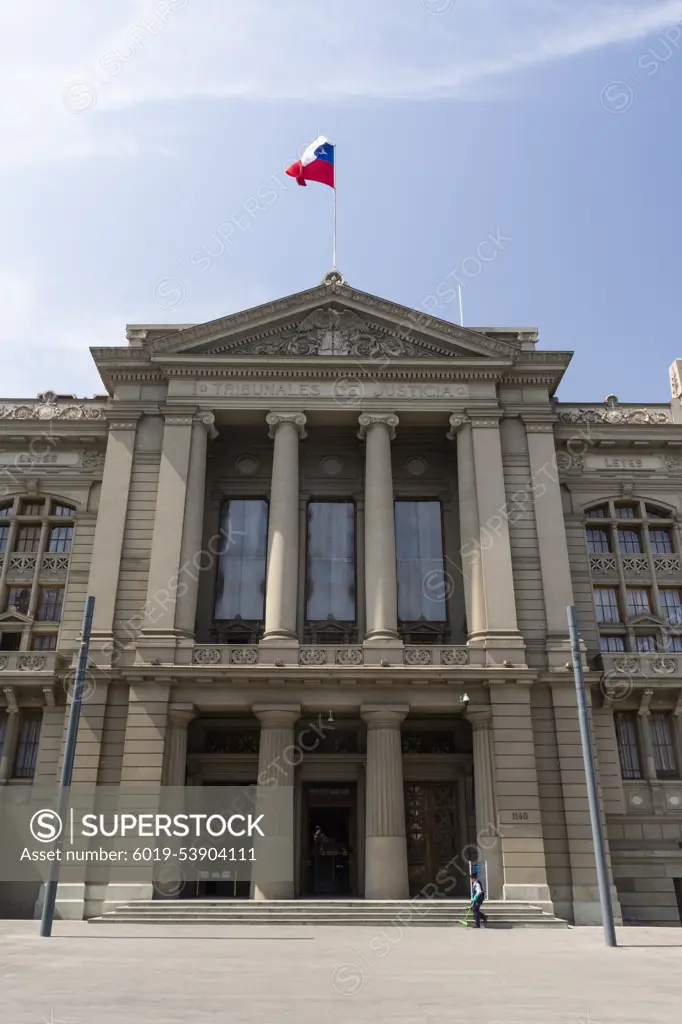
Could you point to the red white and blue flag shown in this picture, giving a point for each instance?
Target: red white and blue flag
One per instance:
(316, 164)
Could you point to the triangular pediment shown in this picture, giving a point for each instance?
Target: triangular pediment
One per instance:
(13, 617)
(335, 321)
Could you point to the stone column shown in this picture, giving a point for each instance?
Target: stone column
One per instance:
(175, 765)
(162, 585)
(111, 517)
(191, 565)
(645, 736)
(487, 820)
(381, 586)
(385, 840)
(281, 595)
(474, 595)
(501, 636)
(549, 520)
(9, 743)
(276, 769)
(33, 604)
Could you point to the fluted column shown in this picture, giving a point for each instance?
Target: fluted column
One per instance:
(282, 571)
(385, 841)
(175, 768)
(487, 821)
(193, 526)
(9, 743)
(381, 586)
(474, 596)
(276, 763)
(645, 736)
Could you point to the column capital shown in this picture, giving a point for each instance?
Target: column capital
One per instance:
(384, 716)
(480, 718)
(274, 715)
(207, 421)
(11, 698)
(275, 420)
(125, 420)
(181, 714)
(457, 421)
(485, 418)
(367, 420)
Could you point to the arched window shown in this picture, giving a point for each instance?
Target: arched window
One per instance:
(36, 534)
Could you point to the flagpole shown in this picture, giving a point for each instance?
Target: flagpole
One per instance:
(334, 261)
(461, 314)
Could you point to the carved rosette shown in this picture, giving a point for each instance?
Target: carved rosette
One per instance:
(454, 656)
(349, 656)
(245, 656)
(207, 656)
(417, 656)
(663, 666)
(626, 665)
(312, 656)
(3, 662)
(31, 663)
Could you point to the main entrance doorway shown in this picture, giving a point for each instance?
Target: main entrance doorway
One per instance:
(329, 840)
(432, 835)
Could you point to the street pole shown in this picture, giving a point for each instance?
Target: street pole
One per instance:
(591, 780)
(67, 766)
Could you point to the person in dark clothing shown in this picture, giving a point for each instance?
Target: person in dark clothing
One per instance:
(477, 898)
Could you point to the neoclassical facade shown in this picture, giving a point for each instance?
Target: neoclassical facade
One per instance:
(331, 542)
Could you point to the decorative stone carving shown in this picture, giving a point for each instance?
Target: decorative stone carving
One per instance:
(47, 408)
(245, 656)
(31, 662)
(388, 420)
(54, 563)
(417, 656)
(663, 666)
(312, 656)
(276, 419)
(92, 460)
(667, 564)
(454, 656)
(603, 564)
(207, 656)
(627, 664)
(22, 563)
(333, 332)
(613, 415)
(456, 421)
(246, 465)
(3, 662)
(349, 656)
(565, 462)
(635, 564)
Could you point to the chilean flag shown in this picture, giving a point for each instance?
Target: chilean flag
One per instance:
(316, 164)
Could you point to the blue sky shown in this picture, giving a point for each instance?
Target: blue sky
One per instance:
(141, 176)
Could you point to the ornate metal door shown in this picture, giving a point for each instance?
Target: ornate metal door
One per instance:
(431, 825)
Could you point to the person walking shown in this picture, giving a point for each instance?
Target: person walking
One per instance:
(477, 898)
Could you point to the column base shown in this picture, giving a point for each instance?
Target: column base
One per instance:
(538, 895)
(502, 648)
(281, 637)
(272, 891)
(382, 638)
(161, 645)
(386, 868)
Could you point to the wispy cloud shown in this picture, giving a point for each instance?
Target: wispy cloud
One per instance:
(139, 52)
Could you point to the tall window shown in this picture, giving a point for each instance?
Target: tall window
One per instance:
(612, 644)
(331, 561)
(660, 541)
(420, 565)
(629, 542)
(628, 748)
(60, 538)
(606, 604)
(27, 747)
(597, 541)
(50, 604)
(28, 538)
(638, 602)
(671, 605)
(4, 537)
(664, 748)
(241, 563)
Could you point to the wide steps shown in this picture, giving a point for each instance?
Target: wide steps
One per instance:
(396, 913)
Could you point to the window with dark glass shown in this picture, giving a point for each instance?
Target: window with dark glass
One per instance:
(5, 510)
(4, 537)
(665, 762)
(612, 644)
(606, 604)
(627, 511)
(27, 747)
(420, 565)
(28, 539)
(10, 641)
(646, 644)
(628, 747)
(638, 602)
(32, 508)
(44, 642)
(629, 542)
(671, 605)
(598, 541)
(597, 513)
(241, 564)
(655, 513)
(672, 643)
(61, 538)
(19, 597)
(50, 604)
(62, 510)
(661, 541)
(331, 561)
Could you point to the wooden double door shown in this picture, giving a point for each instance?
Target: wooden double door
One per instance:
(433, 841)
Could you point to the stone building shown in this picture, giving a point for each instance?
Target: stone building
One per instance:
(334, 507)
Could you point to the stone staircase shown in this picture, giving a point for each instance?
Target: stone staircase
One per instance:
(378, 913)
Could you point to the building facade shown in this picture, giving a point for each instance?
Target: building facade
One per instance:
(338, 518)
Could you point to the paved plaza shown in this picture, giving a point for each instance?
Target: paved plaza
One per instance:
(89, 974)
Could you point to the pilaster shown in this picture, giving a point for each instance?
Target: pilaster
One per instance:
(488, 832)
